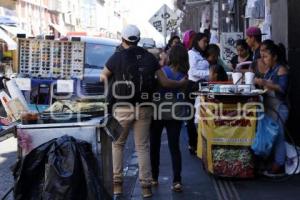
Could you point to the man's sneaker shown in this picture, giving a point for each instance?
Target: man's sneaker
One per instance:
(276, 171)
(147, 192)
(154, 182)
(118, 189)
(177, 187)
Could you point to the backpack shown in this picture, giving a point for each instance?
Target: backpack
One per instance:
(136, 76)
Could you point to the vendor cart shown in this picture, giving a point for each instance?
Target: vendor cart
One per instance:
(227, 126)
(97, 131)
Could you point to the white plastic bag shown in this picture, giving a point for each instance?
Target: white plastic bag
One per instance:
(292, 164)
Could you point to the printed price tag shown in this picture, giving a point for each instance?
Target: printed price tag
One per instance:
(65, 86)
(24, 83)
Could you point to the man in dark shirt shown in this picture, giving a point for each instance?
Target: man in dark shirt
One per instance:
(128, 112)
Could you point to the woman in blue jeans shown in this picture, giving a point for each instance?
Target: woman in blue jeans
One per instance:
(176, 71)
(275, 103)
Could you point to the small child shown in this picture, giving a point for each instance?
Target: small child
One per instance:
(216, 71)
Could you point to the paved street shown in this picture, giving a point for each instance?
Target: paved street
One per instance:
(8, 150)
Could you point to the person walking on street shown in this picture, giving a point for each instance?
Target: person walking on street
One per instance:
(133, 72)
(176, 71)
(164, 56)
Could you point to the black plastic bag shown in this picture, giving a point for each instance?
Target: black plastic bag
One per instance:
(61, 169)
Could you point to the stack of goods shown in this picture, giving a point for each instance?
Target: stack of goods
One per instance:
(68, 106)
(229, 161)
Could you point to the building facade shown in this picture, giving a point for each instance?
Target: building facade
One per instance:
(40, 17)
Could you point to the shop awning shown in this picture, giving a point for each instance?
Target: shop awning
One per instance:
(11, 44)
(58, 28)
(13, 30)
(77, 34)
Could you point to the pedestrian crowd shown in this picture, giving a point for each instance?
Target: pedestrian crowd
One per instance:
(143, 89)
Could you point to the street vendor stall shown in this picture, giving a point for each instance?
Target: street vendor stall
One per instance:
(227, 126)
(55, 66)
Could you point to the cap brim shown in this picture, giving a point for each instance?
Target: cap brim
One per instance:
(250, 35)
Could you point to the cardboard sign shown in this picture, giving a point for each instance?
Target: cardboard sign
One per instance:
(166, 20)
(65, 86)
(24, 84)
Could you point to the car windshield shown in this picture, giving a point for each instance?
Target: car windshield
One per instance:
(96, 55)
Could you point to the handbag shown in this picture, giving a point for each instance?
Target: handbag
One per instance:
(266, 134)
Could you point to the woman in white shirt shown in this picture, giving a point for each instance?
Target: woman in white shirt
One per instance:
(199, 71)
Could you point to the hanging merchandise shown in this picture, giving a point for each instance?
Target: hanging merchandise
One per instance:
(215, 16)
(205, 19)
(255, 9)
(228, 49)
(51, 59)
(266, 27)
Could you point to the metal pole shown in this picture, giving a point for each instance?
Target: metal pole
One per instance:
(40, 7)
(165, 25)
(238, 16)
(220, 18)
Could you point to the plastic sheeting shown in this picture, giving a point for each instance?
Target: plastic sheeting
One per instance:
(61, 169)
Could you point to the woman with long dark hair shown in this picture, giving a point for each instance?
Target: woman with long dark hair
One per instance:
(243, 54)
(174, 40)
(177, 70)
(276, 81)
(199, 71)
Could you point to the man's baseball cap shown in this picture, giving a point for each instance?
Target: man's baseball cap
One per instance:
(253, 31)
(131, 33)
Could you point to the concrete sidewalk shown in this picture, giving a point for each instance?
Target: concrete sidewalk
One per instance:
(197, 184)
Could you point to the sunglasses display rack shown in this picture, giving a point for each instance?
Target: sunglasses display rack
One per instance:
(51, 59)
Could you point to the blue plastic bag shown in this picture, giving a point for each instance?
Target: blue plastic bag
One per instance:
(266, 133)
